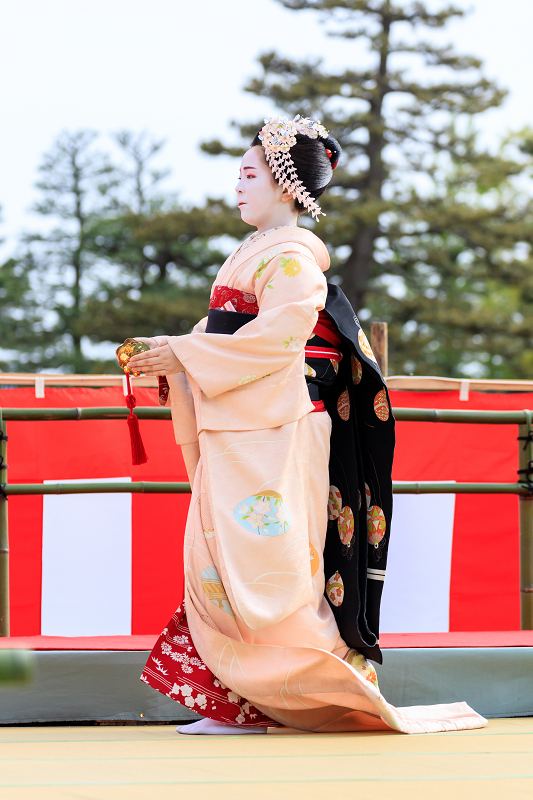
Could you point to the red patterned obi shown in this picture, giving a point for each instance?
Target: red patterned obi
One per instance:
(226, 298)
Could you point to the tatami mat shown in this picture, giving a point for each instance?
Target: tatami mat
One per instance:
(112, 763)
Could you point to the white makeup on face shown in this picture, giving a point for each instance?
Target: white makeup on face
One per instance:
(263, 203)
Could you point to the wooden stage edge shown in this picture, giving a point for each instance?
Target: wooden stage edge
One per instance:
(97, 678)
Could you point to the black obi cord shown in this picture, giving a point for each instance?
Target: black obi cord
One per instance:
(360, 467)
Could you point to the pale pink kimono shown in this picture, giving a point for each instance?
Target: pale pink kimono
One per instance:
(254, 593)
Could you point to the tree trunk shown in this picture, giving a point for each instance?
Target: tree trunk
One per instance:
(357, 268)
(78, 269)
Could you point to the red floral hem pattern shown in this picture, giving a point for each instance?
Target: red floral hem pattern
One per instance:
(176, 670)
(244, 302)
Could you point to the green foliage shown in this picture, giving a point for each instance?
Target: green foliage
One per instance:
(123, 260)
(425, 227)
(77, 186)
(19, 317)
(166, 264)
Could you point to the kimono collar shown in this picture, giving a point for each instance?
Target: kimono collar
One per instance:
(286, 235)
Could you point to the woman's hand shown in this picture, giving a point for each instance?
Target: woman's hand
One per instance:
(159, 361)
(152, 343)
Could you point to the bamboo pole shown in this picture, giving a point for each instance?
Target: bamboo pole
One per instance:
(153, 412)
(430, 487)
(525, 458)
(4, 535)
(107, 487)
(97, 412)
(153, 487)
(455, 415)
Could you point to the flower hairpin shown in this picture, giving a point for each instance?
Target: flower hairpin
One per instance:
(277, 136)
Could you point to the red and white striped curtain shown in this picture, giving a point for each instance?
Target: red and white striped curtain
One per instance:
(109, 564)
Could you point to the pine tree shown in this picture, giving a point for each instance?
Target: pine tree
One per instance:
(18, 313)
(142, 195)
(77, 184)
(124, 259)
(166, 262)
(460, 300)
(423, 224)
(163, 256)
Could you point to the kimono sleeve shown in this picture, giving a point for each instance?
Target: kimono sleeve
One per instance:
(290, 289)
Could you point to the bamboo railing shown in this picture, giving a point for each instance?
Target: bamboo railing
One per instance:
(523, 488)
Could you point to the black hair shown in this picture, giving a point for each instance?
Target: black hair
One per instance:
(314, 166)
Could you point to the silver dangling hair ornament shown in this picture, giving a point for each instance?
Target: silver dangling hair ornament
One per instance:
(277, 136)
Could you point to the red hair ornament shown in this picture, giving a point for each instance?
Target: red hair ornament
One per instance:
(329, 153)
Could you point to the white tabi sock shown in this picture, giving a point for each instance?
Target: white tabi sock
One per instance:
(211, 726)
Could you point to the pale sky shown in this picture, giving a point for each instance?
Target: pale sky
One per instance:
(176, 68)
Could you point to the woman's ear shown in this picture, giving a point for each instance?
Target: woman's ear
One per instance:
(286, 196)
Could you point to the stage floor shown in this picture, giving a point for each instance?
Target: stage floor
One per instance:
(115, 763)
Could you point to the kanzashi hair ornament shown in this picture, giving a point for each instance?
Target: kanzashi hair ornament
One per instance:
(329, 153)
(277, 136)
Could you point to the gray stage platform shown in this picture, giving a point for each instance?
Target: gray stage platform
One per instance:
(104, 685)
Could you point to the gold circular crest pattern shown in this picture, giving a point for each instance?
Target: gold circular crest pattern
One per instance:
(343, 406)
(381, 406)
(364, 345)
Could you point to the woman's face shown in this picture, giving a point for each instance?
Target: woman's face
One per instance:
(259, 196)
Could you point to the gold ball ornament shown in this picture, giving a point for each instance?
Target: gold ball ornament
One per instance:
(130, 348)
(376, 525)
(345, 524)
(334, 503)
(335, 589)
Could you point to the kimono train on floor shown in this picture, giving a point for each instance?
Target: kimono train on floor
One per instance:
(257, 641)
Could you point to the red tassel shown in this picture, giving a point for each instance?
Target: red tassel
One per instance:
(138, 453)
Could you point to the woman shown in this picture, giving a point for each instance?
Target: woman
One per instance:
(287, 436)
